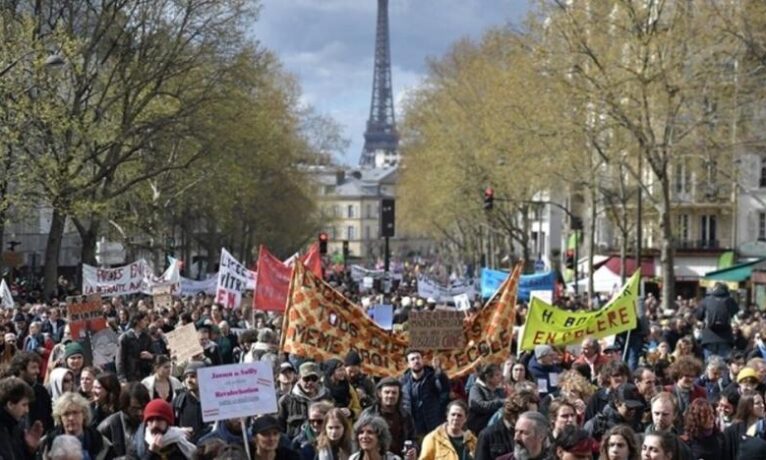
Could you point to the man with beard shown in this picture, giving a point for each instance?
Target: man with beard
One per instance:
(294, 406)
(364, 386)
(389, 407)
(157, 438)
(531, 436)
(425, 393)
(120, 427)
(212, 355)
(187, 407)
(15, 443)
(26, 366)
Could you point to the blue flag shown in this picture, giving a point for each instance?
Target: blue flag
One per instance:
(492, 279)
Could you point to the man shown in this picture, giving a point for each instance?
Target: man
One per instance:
(157, 438)
(625, 408)
(716, 311)
(736, 362)
(646, 382)
(285, 379)
(614, 374)
(227, 342)
(592, 356)
(15, 443)
(120, 428)
(54, 325)
(187, 409)
(34, 341)
(26, 366)
(294, 406)
(363, 385)
(212, 355)
(134, 358)
(497, 439)
(544, 370)
(684, 372)
(712, 381)
(389, 407)
(425, 393)
(665, 418)
(531, 437)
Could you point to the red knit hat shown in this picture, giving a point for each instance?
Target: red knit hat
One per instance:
(159, 408)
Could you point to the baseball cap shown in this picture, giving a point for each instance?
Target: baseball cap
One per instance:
(309, 368)
(265, 423)
(286, 366)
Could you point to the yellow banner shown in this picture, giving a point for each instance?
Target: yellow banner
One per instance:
(550, 325)
(320, 323)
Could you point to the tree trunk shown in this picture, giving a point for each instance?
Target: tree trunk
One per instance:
(52, 250)
(666, 256)
(591, 240)
(89, 237)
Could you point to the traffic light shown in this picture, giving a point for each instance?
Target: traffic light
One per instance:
(323, 243)
(489, 198)
(345, 250)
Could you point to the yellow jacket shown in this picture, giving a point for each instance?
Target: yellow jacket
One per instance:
(437, 446)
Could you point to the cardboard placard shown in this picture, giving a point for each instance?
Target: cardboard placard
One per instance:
(437, 330)
(86, 316)
(163, 301)
(183, 343)
(237, 390)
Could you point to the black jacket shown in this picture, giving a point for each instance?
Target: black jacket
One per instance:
(12, 445)
(188, 413)
(482, 405)
(426, 399)
(718, 301)
(494, 441)
(130, 366)
(41, 408)
(112, 429)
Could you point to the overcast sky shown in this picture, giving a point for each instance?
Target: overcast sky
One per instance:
(328, 45)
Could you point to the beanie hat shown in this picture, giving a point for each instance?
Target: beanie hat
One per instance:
(193, 367)
(353, 359)
(73, 348)
(159, 408)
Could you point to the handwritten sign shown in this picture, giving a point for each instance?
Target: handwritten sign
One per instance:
(86, 316)
(437, 330)
(237, 390)
(184, 343)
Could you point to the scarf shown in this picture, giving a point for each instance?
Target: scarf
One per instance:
(174, 435)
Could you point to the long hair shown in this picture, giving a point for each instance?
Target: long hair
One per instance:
(668, 443)
(111, 384)
(745, 411)
(627, 434)
(323, 441)
(699, 416)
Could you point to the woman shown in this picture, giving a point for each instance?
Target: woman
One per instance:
(562, 413)
(265, 444)
(574, 387)
(749, 413)
(684, 347)
(343, 393)
(483, 400)
(725, 407)
(161, 384)
(701, 433)
(71, 414)
(372, 439)
(521, 400)
(573, 443)
(660, 446)
(334, 441)
(74, 357)
(619, 443)
(106, 392)
(450, 441)
(61, 381)
(87, 378)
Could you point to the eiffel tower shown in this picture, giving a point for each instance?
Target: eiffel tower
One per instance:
(380, 138)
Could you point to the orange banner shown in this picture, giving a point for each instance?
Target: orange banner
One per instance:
(322, 324)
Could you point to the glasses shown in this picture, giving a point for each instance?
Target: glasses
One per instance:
(316, 421)
(310, 378)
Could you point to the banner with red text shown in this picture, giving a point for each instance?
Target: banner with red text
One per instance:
(233, 278)
(128, 279)
(320, 323)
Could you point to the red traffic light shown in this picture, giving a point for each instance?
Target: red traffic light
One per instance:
(323, 236)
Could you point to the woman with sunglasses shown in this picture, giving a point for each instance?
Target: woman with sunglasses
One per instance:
(294, 406)
(306, 441)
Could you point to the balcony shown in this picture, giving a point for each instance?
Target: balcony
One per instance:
(697, 245)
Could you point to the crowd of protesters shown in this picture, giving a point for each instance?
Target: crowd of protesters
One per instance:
(687, 383)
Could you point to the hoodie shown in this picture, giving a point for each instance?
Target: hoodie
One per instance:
(294, 408)
(57, 382)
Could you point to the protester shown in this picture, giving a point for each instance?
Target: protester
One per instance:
(750, 412)
(364, 386)
(161, 384)
(544, 370)
(389, 407)
(425, 393)
(74, 359)
(334, 440)
(372, 440)
(660, 446)
(134, 357)
(71, 415)
(573, 443)
(187, 408)
(15, 442)
(483, 401)
(293, 407)
(701, 433)
(716, 312)
(305, 442)
(62, 381)
(562, 413)
(157, 438)
(531, 437)
(342, 392)
(120, 427)
(66, 447)
(26, 366)
(450, 441)
(619, 443)
(87, 378)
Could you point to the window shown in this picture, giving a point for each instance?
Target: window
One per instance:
(369, 211)
(350, 211)
(333, 233)
(682, 225)
(350, 233)
(762, 226)
(367, 233)
(682, 178)
(708, 229)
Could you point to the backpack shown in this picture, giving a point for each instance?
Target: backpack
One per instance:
(717, 316)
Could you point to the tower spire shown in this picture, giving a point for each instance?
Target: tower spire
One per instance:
(380, 138)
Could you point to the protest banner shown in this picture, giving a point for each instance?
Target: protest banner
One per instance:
(547, 324)
(492, 279)
(183, 343)
(86, 316)
(272, 282)
(128, 279)
(236, 390)
(443, 294)
(6, 296)
(358, 273)
(190, 287)
(437, 330)
(233, 279)
(322, 324)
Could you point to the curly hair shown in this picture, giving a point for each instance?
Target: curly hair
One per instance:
(518, 403)
(379, 425)
(699, 417)
(628, 435)
(68, 401)
(573, 382)
(685, 365)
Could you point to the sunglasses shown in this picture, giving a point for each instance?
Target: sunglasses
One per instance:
(310, 378)
(316, 421)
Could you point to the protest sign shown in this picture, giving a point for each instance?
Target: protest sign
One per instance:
(236, 390)
(183, 343)
(443, 294)
(6, 297)
(104, 345)
(86, 316)
(358, 273)
(383, 315)
(162, 295)
(437, 330)
(128, 279)
(190, 287)
(232, 281)
(272, 282)
(492, 279)
(322, 324)
(545, 295)
(462, 302)
(550, 325)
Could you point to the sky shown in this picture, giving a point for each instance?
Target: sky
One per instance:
(328, 45)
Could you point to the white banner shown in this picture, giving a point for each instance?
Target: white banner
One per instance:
(233, 280)
(134, 278)
(358, 273)
(6, 297)
(190, 287)
(237, 390)
(429, 288)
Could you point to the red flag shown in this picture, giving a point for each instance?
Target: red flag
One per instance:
(272, 282)
(313, 261)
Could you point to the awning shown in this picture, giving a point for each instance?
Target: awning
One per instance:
(735, 273)
(647, 266)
